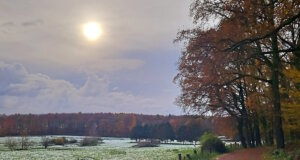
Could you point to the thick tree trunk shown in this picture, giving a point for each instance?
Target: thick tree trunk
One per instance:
(245, 117)
(241, 132)
(257, 132)
(276, 94)
(252, 134)
(279, 136)
(257, 136)
(240, 123)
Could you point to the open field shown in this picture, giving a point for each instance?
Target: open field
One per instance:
(111, 148)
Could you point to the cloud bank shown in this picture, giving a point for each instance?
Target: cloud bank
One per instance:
(49, 66)
(24, 92)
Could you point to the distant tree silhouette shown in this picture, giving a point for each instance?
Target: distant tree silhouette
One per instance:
(136, 126)
(137, 132)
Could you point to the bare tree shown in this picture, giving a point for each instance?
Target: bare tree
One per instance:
(25, 142)
(11, 143)
(45, 141)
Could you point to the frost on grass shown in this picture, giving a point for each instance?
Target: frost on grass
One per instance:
(111, 149)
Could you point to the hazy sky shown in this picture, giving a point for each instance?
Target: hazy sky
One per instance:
(47, 65)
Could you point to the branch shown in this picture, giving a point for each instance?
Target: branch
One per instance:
(251, 40)
(252, 76)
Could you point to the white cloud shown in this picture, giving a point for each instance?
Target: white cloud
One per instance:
(24, 92)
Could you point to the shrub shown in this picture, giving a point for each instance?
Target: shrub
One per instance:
(60, 141)
(212, 143)
(89, 141)
(45, 141)
(11, 143)
(72, 140)
(25, 143)
(278, 154)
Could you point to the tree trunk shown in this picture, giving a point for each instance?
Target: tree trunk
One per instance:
(276, 94)
(270, 136)
(245, 117)
(240, 122)
(257, 131)
(241, 132)
(252, 134)
(279, 136)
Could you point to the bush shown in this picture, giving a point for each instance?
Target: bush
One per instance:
(60, 141)
(45, 141)
(89, 141)
(72, 141)
(212, 143)
(25, 143)
(278, 154)
(11, 143)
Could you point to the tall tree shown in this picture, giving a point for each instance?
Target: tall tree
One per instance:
(248, 31)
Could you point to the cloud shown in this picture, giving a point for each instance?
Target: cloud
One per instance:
(7, 24)
(33, 22)
(46, 37)
(24, 92)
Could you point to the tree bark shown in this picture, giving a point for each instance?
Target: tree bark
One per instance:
(246, 118)
(257, 131)
(252, 134)
(241, 132)
(279, 136)
(240, 123)
(276, 94)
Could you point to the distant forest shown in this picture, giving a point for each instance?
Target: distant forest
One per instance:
(114, 125)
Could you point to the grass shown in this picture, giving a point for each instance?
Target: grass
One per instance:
(277, 155)
(112, 149)
(205, 155)
(291, 152)
(199, 156)
(116, 152)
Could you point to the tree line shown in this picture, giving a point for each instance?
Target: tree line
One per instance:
(164, 132)
(246, 66)
(107, 124)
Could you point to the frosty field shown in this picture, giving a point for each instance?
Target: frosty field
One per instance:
(111, 149)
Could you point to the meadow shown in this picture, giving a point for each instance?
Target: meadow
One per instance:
(109, 149)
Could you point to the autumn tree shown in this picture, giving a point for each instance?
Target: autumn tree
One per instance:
(252, 40)
(291, 103)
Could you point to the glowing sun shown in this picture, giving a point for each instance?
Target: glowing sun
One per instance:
(92, 31)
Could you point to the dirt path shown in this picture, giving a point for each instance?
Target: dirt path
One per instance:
(245, 154)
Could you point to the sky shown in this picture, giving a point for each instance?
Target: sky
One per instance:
(47, 65)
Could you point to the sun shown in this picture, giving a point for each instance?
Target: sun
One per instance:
(92, 31)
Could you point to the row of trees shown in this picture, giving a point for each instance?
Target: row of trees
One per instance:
(12, 144)
(163, 131)
(101, 124)
(247, 66)
(24, 143)
(190, 131)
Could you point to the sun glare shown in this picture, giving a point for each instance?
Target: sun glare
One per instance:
(92, 31)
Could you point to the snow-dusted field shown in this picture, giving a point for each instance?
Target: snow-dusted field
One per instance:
(111, 149)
